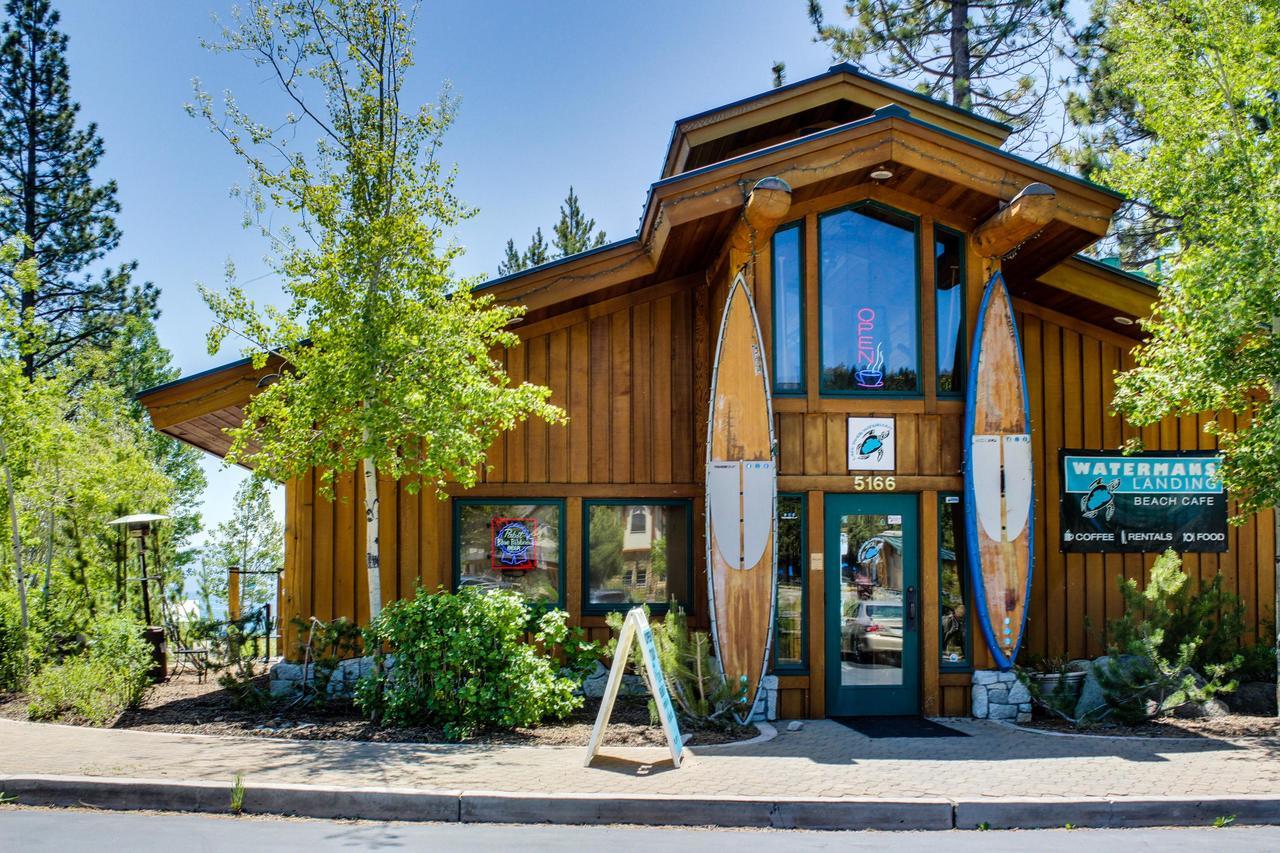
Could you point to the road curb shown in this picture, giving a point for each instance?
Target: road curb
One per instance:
(409, 804)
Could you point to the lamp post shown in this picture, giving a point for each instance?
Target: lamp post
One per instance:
(138, 527)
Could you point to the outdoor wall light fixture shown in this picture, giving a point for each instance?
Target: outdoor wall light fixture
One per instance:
(1123, 321)
(269, 379)
(882, 173)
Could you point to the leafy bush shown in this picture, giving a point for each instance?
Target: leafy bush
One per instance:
(13, 646)
(1168, 647)
(111, 675)
(698, 688)
(461, 662)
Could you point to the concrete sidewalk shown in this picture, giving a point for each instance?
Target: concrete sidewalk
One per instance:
(823, 775)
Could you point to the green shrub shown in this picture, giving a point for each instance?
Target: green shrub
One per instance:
(13, 646)
(698, 688)
(235, 647)
(462, 662)
(1158, 647)
(111, 675)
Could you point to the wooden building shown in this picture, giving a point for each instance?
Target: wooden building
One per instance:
(899, 202)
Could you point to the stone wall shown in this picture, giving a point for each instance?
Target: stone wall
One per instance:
(1000, 696)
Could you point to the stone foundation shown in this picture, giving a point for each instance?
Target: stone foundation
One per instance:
(286, 679)
(1000, 696)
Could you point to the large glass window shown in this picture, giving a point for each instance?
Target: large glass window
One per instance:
(788, 635)
(510, 546)
(948, 275)
(870, 332)
(788, 311)
(637, 554)
(953, 633)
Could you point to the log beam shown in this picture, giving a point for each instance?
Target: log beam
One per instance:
(766, 207)
(1031, 209)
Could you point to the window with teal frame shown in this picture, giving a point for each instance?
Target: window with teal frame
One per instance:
(954, 624)
(948, 290)
(869, 294)
(788, 310)
(515, 544)
(791, 614)
(637, 552)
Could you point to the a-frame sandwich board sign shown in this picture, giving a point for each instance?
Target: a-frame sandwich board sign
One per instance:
(636, 626)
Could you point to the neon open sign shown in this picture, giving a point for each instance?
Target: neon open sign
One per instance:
(870, 373)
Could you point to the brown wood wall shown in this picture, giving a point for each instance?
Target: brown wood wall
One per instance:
(633, 373)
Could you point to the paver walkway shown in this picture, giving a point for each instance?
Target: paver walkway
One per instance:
(824, 759)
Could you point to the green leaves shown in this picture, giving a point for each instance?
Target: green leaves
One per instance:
(1204, 77)
(461, 662)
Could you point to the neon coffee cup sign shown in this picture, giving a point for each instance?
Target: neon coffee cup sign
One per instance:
(870, 359)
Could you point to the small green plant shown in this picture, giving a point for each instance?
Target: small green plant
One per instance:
(462, 662)
(112, 674)
(237, 795)
(1223, 821)
(5, 799)
(697, 687)
(323, 646)
(236, 649)
(984, 826)
(1068, 826)
(1157, 642)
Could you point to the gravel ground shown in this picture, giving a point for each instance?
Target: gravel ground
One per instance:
(183, 706)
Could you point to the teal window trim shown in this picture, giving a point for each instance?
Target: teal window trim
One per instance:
(962, 362)
(801, 668)
(589, 609)
(866, 392)
(558, 503)
(798, 226)
(962, 569)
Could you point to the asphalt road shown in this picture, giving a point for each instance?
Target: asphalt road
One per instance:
(37, 830)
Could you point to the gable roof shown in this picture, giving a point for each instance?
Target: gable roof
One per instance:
(841, 94)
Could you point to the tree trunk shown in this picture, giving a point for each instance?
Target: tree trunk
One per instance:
(29, 197)
(960, 70)
(372, 559)
(17, 538)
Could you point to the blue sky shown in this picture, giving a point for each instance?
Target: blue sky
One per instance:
(553, 94)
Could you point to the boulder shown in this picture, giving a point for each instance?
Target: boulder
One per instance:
(1197, 710)
(1091, 699)
(1255, 698)
(979, 704)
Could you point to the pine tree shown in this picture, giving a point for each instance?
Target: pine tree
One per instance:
(512, 262)
(1109, 121)
(573, 231)
(572, 234)
(46, 165)
(537, 253)
(991, 56)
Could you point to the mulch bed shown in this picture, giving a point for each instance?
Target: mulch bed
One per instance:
(183, 706)
(1223, 728)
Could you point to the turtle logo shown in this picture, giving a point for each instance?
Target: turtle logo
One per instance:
(871, 441)
(1099, 499)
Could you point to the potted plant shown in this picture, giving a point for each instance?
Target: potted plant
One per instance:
(1055, 677)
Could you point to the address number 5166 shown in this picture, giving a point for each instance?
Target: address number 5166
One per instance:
(864, 483)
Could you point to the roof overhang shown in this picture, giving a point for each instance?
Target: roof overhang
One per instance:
(688, 216)
(1092, 291)
(842, 93)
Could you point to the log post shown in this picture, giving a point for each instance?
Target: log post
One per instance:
(1028, 212)
(766, 207)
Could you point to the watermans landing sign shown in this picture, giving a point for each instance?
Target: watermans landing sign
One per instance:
(1151, 501)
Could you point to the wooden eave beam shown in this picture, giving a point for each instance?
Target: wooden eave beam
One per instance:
(1114, 291)
(1028, 212)
(766, 206)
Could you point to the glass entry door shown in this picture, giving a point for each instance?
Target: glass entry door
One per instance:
(872, 604)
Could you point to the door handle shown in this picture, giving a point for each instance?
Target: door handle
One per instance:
(911, 607)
